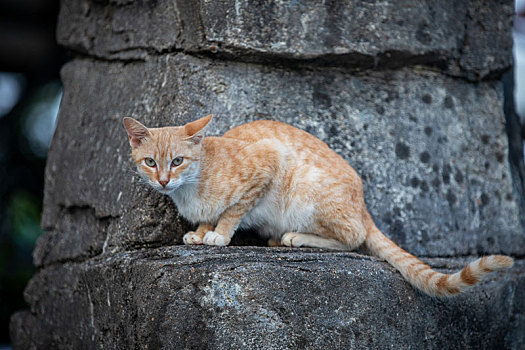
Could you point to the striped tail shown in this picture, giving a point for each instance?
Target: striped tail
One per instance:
(421, 276)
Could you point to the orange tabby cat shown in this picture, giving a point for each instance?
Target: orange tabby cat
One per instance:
(283, 182)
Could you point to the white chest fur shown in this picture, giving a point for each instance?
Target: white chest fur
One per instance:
(191, 206)
(272, 215)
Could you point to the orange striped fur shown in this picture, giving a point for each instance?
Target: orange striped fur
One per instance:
(283, 182)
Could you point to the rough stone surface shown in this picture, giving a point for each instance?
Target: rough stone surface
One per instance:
(121, 29)
(387, 84)
(246, 298)
(450, 35)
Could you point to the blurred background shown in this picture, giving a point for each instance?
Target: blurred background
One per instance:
(30, 94)
(519, 63)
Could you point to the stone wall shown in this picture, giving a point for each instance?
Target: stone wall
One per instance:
(409, 92)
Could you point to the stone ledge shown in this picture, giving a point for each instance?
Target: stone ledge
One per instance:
(261, 298)
(470, 40)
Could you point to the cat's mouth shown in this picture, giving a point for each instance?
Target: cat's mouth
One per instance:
(166, 190)
(170, 188)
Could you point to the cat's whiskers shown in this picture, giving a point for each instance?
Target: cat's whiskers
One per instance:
(138, 177)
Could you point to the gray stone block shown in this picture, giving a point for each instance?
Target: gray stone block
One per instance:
(432, 150)
(247, 298)
(118, 29)
(464, 38)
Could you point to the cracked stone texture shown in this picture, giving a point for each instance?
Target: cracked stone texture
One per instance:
(390, 90)
(449, 35)
(240, 297)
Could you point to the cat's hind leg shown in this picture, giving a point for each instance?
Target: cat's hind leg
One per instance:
(274, 243)
(297, 239)
(350, 232)
(346, 234)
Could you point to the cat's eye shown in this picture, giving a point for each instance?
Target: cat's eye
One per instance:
(177, 161)
(150, 162)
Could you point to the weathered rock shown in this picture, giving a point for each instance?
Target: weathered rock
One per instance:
(118, 29)
(357, 34)
(237, 297)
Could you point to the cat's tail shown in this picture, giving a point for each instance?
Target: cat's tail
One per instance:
(421, 276)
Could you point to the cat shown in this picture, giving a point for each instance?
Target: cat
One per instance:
(283, 182)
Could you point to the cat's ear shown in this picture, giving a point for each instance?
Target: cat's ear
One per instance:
(136, 131)
(195, 129)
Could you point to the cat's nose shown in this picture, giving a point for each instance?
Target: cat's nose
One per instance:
(163, 183)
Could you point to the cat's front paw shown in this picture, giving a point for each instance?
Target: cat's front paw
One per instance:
(214, 238)
(192, 238)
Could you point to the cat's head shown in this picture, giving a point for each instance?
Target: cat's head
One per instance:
(169, 157)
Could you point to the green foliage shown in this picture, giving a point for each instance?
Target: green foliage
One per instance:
(21, 229)
(23, 212)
